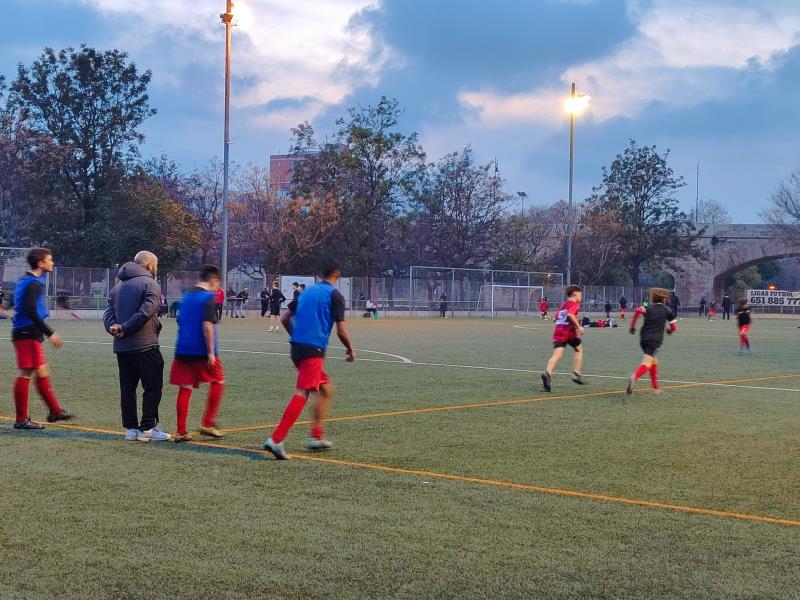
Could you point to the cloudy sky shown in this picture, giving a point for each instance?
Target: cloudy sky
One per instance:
(715, 81)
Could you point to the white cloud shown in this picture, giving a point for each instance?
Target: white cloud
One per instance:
(682, 53)
(281, 48)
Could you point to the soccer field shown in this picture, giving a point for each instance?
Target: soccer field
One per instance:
(453, 475)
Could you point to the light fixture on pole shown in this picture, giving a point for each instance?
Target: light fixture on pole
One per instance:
(575, 105)
(227, 20)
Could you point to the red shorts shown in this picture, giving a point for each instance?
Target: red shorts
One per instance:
(311, 374)
(744, 329)
(195, 372)
(30, 354)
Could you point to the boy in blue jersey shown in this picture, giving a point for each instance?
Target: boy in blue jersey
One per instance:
(196, 355)
(309, 321)
(28, 330)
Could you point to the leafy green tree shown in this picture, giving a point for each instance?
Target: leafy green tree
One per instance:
(145, 218)
(639, 187)
(368, 169)
(92, 103)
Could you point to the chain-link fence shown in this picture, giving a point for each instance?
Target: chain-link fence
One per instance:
(420, 291)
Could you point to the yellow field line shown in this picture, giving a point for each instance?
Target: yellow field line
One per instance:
(449, 407)
(552, 491)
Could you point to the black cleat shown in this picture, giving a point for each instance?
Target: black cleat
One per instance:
(629, 389)
(61, 415)
(578, 378)
(546, 380)
(28, 424)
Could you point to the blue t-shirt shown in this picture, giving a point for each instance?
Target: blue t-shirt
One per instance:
(315, 312)
(197, 307)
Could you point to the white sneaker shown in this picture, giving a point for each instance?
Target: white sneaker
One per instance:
(132, 435)
(155, 435)
(316, 445)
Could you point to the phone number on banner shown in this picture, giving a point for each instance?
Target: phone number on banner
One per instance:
(773, 298)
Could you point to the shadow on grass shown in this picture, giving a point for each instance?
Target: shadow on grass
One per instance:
(89, 435)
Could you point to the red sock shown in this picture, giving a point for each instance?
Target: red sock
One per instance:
(640, 371)
(48, 395)
(654, 376)
(182, 408)
(317, 433)
(212, 404)
(290, 415)
(21, 385)
(744, 341)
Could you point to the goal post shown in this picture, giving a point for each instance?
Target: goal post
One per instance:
(494, 299)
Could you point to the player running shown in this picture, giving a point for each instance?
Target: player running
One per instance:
(544, 306)
(28, 330)
(196, 355)
(309, 321)
(657, 319)
(743, 320)
(567, 333)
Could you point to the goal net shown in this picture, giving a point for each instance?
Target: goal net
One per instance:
(499, 299)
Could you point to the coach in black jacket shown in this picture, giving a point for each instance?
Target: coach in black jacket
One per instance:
(132, 318)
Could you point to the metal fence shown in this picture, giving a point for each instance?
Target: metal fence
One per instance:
(420, 292)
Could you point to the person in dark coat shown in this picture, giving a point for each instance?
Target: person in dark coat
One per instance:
(276, 298)
(726, 307)
(264, 303)
(132, 318)
(443, 305)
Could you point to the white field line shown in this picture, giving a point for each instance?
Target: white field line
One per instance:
(476, 367)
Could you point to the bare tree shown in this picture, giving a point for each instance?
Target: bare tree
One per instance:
(711, 212)
(270, 232)
(784, 210)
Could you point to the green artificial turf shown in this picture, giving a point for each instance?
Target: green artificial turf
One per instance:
(87, 515)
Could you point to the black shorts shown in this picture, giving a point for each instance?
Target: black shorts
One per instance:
(650, 347)
(574, 342)
(275, 311)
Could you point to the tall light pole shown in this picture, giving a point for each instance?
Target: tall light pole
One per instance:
(575, 106)
(522, 196)
(227, 20)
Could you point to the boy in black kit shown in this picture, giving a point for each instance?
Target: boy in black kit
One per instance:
(657, 319)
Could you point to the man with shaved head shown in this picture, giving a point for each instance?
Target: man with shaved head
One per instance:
(132, 318)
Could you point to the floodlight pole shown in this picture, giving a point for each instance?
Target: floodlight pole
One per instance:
(570, 224)
(227, 20)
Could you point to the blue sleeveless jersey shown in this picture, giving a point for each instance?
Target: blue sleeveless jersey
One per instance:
(191, 316)
(20, 319)
(313, 320)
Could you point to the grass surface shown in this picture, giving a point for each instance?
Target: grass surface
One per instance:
(583, 493)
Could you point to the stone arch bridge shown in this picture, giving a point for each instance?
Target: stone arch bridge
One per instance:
(730, 249)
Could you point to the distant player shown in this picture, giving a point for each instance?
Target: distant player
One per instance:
(607, 308)
(744, 320)
(28, 330)
(196, 355)
(712, 310)
(276, 299)
(567, 333)
(543, 307)
(623, 306)
(658, 318)
(309, 321)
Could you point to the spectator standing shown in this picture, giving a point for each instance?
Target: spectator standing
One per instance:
(219, 300)
(443, 305)
(702, 310)
(241, 300)
(264, 303)
(295, 290)
(132, 318)
(674, 304)
(231, 297)
(276, 298)
(726, 307)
